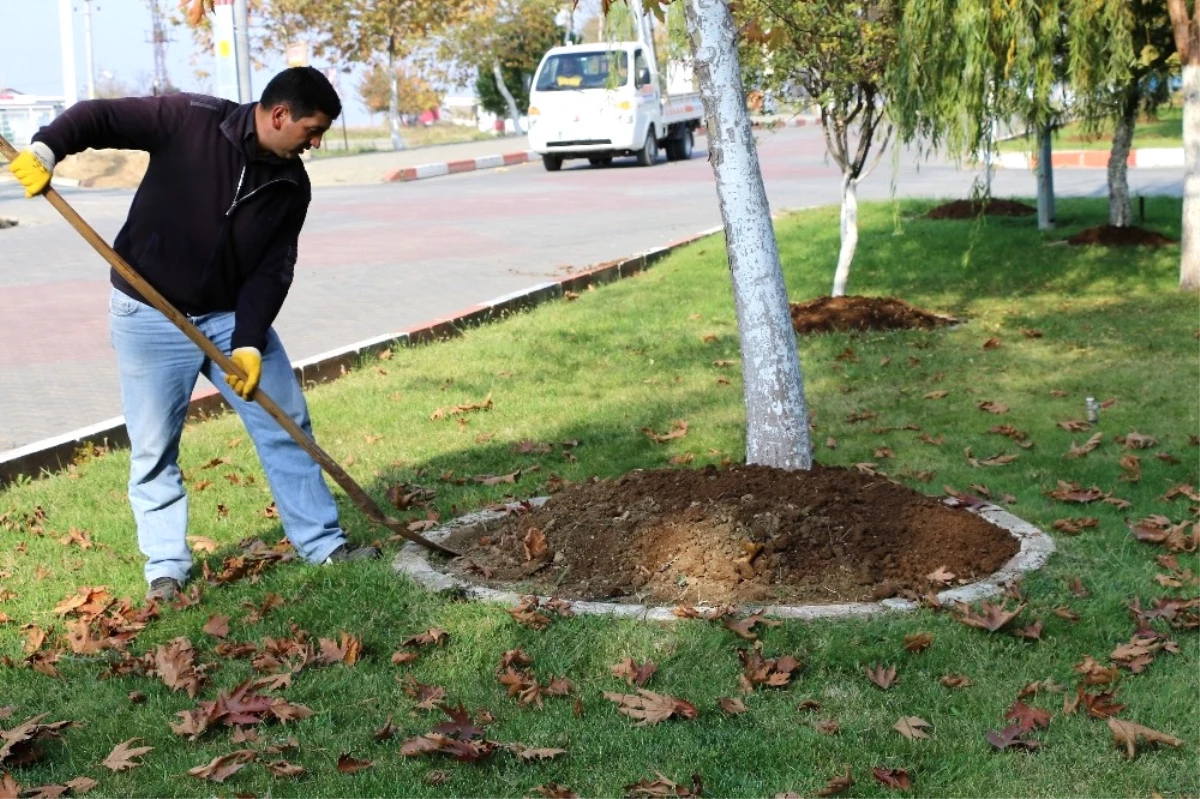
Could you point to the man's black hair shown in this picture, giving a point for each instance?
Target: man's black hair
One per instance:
(304, 90)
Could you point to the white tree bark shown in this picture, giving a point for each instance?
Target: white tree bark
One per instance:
(513, 113)
(1120, 210)
(1045, 181)
(849, 234)
(1189, 256)
(776, 412)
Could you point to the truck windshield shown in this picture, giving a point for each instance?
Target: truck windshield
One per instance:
(603, 70)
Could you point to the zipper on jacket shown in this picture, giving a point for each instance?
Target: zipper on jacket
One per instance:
(239, 200)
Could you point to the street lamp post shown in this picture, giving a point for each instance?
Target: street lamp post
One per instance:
(66, 31)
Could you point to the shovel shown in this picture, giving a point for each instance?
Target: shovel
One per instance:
(361, 498)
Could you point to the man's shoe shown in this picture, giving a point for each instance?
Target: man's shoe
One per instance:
(163, 589)
(345, 552)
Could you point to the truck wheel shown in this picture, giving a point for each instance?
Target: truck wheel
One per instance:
(553, 163)
(600, 161)
(680, 149)
(649, 152)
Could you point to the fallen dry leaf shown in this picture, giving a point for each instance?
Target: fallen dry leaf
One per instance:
(223, 767)
(918, 642)
(881, 676)
(434, 636)
(217, 626)
(992, 407)
(1026, 717)
(994, 617)
(955, 681)
(731, 706)
(744, 627)
(552, 790)
(679, 429)
(910, 727)
(351, 765)
(837, 784)
(1011, 737)
(651, 708)
(535, 544)
(633, 673)
(663, 787)
(121, 757)
(897, 778)
(1126, 734)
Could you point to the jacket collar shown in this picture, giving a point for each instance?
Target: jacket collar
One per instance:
(238, 128)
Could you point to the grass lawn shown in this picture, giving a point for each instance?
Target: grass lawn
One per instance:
(1166, 130)
(640, 353)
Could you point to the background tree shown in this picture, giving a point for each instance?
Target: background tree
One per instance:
(839, 53)
(962, 67)
(499, 43)
(414, 94)
(1187, 43)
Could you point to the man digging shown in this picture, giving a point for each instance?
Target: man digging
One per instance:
(214, 228)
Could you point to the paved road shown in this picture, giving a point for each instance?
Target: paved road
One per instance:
(379, 258)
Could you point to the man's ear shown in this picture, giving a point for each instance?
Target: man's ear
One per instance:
(279, 115)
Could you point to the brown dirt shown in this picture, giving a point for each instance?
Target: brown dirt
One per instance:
(745, 534)
(106, 169)
(969, 209)
(842, 314)
(1109, 236)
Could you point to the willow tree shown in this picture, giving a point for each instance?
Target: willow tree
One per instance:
(839, 53)
(1187, 42)
(963, 65)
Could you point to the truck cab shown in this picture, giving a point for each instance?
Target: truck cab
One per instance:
(600, 101)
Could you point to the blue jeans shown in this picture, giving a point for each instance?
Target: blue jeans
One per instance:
(158, 367)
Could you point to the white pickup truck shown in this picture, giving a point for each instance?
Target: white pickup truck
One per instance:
(587, 102)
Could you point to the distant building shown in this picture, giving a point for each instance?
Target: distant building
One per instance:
(22, 114)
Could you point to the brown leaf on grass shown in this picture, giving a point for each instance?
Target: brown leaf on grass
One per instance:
(809, 705)
(1095, 674)
(552, 790)
(837, 784)
(955, 680)
(991, 407)
(9, 788)
(1072, 492)
(897, 778)
(1080, 450)
(1011, 737)
(81, 785)
(1182, 490)
(679, 429)
(1075, 425)
(460, 410)
(1066, 614)
(1076, 525)
(881, 676)
(994, 615)
(992, 344)
(526, 613)
(650, 708)
(121, 758)
(910, 727)
(434, 636)
(1030, 631)
(733, 707)
(346, 764)
(936, 395)
(243, 735)
(706, 614)
(1079, 589)
(1132, 465)
(175, 664)
(827, 726)
(1135, 440)
(918, 642)
(217, 626)
(1126, 734)
(282, 768)
(1026, 717)
(1048, 685)
(744, 627)
(428, 696)
(1099, 706)
(223, 767)
(663, 787)
(633, 673)
(757, 670)
(349, 651)
(530, 754)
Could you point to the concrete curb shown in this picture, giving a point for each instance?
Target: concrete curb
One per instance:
(52, 454)
(1036, 548)
(1095, 159)
(424, 171)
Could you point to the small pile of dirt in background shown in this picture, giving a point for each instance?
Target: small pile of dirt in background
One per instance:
(745, 534)
(106, 169)
(1109, 236)
(844, 314)
(4, 222)
(969, 209)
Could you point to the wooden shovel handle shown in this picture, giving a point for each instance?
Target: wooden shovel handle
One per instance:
(361, 498)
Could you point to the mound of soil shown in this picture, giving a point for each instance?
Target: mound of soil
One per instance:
(1109, 236)
(6, 223)
(106, 169)
(969, 209)
(842, 314)
(745, 534)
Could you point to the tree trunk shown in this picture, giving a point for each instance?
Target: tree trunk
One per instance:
(849, 234)
(513, 113)
(776, 412)
(1045, 180)
(1120, 210)
(1189, 256)
(394, 99)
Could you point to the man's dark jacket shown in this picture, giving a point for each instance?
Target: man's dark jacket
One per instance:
(214, 224)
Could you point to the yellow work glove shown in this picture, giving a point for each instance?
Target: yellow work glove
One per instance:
(33, 167)
(250, 361)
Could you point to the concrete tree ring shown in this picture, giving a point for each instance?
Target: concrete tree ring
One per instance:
(1036, 548)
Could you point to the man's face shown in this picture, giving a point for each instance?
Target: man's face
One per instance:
(291, 137)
